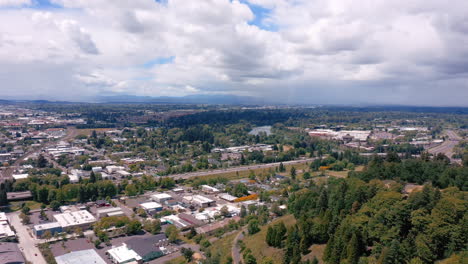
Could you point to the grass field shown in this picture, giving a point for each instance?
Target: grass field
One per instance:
(15, 206)
(315, 251)
(178, 260)
(246, 173)
(223, 247)
(259, 247)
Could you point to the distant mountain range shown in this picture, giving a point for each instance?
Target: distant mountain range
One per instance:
(124, 98)
(190, 99)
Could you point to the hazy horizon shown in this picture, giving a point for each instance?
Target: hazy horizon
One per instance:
(293, 52)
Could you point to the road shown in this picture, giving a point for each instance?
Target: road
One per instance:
(234, 169)
(27, 243)
(447, 146)
(235, 251)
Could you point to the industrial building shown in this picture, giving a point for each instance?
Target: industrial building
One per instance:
(113, 211)
(200, 201)
(209, 189)
(151, 207)
(80, 257)
(161, 197)
(5, 230)
(139, 249)
(53, 228)
(227, 197)
(81, 218)
(112, 168)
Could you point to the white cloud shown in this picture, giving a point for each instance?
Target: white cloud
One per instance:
(14, 3)
(323, 51)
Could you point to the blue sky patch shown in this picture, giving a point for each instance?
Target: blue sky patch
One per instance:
(158, 61)
(143, 78)
(44, 4)
(260, 13)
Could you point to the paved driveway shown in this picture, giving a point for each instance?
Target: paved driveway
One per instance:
(27, 243)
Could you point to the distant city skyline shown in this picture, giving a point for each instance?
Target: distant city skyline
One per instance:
(409, 52)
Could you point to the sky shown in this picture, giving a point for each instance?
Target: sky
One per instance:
(406, 52)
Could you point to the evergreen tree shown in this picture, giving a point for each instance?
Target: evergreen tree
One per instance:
(393, 254)
(3, 195)
(352, 250)
(92, 177)
(293, 173)
(41, 161)
(281, 167)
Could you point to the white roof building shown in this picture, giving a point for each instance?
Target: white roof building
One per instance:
(20, 176)
(227, 197)
(80, 257)
(123, 254)
(123, 173)
(112, 211)
(209, 189)
(76, 218)
(175, 220)
(96, 169)
(161, 197)
(150, 206)
(47, 226)
(3, 217)
(5, 229)
(105, 175)
(74, 178)
(113, 168)
(200, 200)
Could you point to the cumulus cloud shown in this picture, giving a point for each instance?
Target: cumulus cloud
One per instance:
(14, 3)
(323, 51)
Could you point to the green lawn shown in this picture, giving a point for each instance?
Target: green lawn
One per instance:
(178, 260)
(15, 206)
(245, 174)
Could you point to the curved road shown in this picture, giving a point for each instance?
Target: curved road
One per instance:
(235, 251)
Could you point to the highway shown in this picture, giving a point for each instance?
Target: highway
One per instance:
(234, 169)
(447, 146)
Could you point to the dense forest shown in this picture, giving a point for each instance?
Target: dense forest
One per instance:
(369, 218)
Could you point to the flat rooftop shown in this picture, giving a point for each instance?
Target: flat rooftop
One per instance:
(150, 205)
(122, 254)
(80, 257)
(75, 218)
(47, 226)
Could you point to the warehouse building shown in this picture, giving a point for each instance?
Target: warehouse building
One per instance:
(80, 257)
(200, 201)
(139, 249)
(5, 230)
(209, 189)
(161, 197)
(113, 211)
(53, 228)
(70, 220)
(151, 207)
